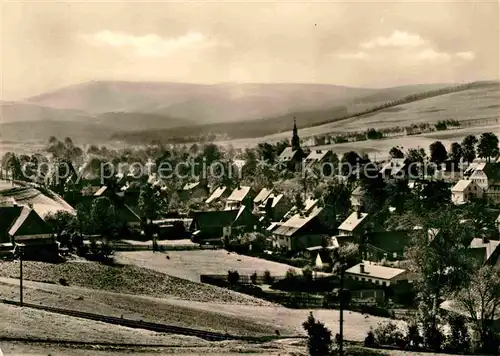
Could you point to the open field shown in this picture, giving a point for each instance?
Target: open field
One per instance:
(191, 264)
(124, 279)
(234, 319)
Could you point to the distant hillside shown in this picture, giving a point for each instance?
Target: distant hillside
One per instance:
(11, 111)
(195, 102)
(387, 100)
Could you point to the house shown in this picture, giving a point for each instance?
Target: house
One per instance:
(309, 204)
(240, 196)
(218, 194)
(485, 251)
(261, 197)
(21, 225)
(386, 245)
(292, 159)
(321, 255)
(318, 157)
(457, 308)
(376, 274)
(300, 231)
(43, 203)
(217, 225)
(497, 223)
(357, 198)
(465, 191)
(353, 225)
(396, 168)
(274, 207)
(194, 190)
(487, 177)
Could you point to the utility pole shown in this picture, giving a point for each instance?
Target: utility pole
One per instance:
(21, 248)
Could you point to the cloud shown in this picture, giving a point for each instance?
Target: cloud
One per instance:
(352, 55)
(396, 39)
(432, 55)
(150, 45)
(468, 56)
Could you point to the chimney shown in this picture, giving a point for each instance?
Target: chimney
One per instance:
(362, 268)
(358, 214)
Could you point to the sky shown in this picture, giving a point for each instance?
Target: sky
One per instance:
(48, 45)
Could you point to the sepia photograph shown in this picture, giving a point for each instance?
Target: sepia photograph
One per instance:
(300, 178)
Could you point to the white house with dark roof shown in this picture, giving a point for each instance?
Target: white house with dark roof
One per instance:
(300, 231)
(464, 191)
(242, 195)
(377, 274)
(353, 225)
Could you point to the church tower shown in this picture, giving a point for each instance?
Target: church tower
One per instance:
(295, 137)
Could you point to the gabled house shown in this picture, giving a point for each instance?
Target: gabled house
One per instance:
(261, 197)
(321, 255)
(240, 196)
(194, 190)
(386, 245)
(318, 157)
(353, 225)
(21, 225)
(486, 251)
(497, 223)
(465, 191)
(396, 168)
(487, 176)
(217, 225)
(309, 204)
(300, 231)
(274, 207)
(218, 194)
(291, 158)
(357, 198)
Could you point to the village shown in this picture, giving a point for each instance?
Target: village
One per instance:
(416, 230)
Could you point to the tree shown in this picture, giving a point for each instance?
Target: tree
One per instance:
(104, 220)
(456, 152)
(438, 152)
(438, 252)
(415, 157)
(152, 203)
(488, 146)
(319, 341)
(396, 152)
(64, 226)
(480, 299)
(233, 277)
(469, 148)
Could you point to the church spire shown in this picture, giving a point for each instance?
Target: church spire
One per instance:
(295, 136)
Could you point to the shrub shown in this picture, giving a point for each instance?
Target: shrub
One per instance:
(233, 277)
(268, 279)
(370, 339)
(458, 339)
(253, 278)
(389, 334)
(413, 336)
(307, 274)
(319, 341)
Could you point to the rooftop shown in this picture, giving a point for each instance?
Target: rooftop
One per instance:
(489, 246)
(239, 194)
(375, 271)
(263, 195)
(216, 194)
(296, 222)
(353, 221)
(461, 185)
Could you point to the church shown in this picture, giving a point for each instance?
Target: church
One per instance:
(292, 156)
